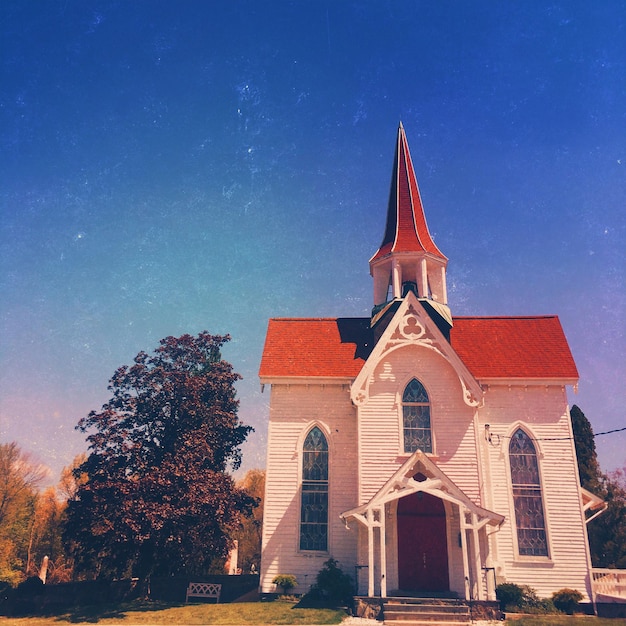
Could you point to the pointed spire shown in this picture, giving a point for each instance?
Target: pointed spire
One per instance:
(406, 229)
(407, 259)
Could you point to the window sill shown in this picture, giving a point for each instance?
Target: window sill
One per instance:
(540, 561)
(314, 553)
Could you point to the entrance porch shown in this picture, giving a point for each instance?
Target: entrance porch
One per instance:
(420, 534)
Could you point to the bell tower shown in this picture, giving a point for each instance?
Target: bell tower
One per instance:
(408, 259)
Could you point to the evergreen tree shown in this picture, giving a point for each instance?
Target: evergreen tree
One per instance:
(607, 532)
(588, 467)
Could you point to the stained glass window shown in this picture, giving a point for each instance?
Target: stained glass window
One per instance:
(416, 418)
(529, 518)
(314, 499)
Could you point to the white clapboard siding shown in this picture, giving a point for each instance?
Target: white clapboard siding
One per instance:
(380, 422)
(294, 410)
(366, 449)
(543, 412)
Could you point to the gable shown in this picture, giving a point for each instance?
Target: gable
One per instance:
(434, 481)
(490, 347)
(411, 325)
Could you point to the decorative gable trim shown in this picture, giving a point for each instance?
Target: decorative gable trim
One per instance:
(411, 325)
(592, 502)
(436, 483)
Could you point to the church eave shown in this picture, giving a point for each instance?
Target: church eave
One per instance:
(306, 380)
(526, 381)
(380, 259)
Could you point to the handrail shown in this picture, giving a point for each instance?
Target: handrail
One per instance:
(609, 582)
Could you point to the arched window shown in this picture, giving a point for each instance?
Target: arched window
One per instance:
(416, 418)
(529, 519)
(314, 498)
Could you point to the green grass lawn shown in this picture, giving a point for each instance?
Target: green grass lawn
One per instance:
(249, 613)
(253, 613)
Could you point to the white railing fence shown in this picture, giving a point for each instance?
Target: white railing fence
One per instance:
(610, 582)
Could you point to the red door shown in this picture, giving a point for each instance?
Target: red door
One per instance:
(422, 544)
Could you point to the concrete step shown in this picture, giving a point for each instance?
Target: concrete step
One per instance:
(423, 600)
(426, 617)
(427, 610)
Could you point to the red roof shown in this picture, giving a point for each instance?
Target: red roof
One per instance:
(326, 347)
(490, 347)
(513, 347)
(406, 229)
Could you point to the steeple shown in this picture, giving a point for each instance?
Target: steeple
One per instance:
(408, 259)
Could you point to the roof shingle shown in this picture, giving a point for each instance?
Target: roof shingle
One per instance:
(490, 347)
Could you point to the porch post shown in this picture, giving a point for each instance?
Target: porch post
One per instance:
(383, 554)
(370, 553)
(489, 571)
(476, 555)
(464, 549)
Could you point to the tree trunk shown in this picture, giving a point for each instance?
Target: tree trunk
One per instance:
(144, 570)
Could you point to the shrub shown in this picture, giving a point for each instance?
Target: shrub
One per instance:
(530, 599)
(32, 586)
(332, 588)
(286, 581)
(514, 598)
(509, 595)
(532, 603)
(566, 600)
(546, 606)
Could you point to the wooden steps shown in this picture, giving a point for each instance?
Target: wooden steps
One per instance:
(401, 611)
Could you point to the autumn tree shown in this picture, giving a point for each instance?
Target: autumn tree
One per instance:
(45, 540)
(72, 478)
(50, 519)
(158, 497)
(46, 528)
(20, 477)
(250, 534)
(607, 533)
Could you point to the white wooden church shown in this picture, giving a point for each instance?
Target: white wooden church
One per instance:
(424, 452)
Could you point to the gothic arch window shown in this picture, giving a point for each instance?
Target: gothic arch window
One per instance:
(314, 495)
(527, 498)
(416, 418)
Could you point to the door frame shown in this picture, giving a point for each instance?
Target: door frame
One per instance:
(432, 519)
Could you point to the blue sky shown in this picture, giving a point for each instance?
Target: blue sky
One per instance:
(170, 167)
